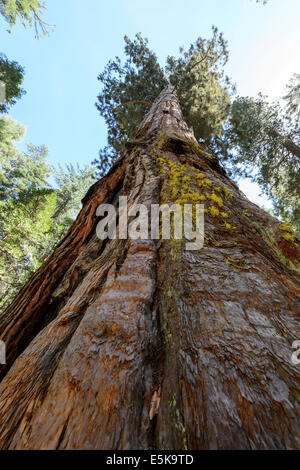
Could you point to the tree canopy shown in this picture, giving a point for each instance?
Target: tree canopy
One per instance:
(11, 75)
(29, 12)
(292, 97)
(264, 139)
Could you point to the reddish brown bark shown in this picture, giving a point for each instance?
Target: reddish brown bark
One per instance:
(139, 344)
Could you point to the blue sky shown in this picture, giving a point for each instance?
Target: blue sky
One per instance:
(61, 71)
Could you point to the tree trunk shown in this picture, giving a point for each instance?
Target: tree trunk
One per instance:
(142, 344)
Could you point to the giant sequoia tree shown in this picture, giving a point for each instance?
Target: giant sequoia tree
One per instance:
(141, 344)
